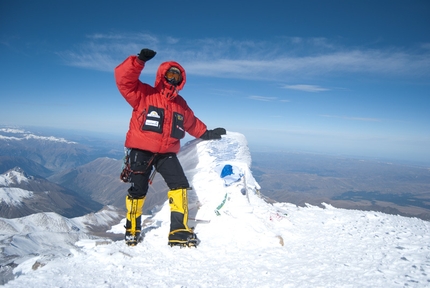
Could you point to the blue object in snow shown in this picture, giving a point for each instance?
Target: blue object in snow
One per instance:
(230, 174)
(227, 170)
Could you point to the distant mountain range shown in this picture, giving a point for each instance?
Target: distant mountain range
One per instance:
(31, 167)
(53, 153)
(42, 173)
(23, 195)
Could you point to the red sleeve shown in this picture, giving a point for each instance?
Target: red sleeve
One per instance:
(127, 80)
(193, 125)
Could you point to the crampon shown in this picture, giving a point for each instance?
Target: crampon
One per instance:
(183, 238)
(133, 240)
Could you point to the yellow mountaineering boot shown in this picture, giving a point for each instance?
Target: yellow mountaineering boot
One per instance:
(180, 234)
(133, 224)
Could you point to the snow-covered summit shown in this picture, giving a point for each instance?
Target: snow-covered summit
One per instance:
(13, 176)
(245, 242)
(12, 195)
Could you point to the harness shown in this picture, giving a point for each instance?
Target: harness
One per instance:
(127, 171)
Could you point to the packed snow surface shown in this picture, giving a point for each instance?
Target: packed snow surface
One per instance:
(245, 242)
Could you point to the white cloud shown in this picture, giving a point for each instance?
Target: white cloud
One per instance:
(262, 98)
(277, 60)
(306, 88)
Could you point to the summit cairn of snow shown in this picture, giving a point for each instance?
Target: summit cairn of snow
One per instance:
(245, 242)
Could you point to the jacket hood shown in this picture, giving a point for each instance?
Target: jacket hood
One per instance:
(159, 79)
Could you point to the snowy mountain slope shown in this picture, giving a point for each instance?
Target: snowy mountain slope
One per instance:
(245, 241)
(14, 176)
(33, 168)
(46, 236)
(22, 195)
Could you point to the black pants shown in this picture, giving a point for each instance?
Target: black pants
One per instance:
(168, 165)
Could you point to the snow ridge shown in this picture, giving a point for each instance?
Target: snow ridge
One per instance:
(20, 135)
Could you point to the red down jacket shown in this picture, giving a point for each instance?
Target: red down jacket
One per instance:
(160, 115)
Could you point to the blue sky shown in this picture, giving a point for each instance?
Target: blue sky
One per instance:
(338, 77)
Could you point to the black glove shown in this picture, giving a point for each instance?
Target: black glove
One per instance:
(146, 54)
(213, 134)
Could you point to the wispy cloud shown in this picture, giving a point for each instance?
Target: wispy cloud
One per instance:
(104, 52)
(366, 119)
(277, 60)
(306, 88)
(263, 98)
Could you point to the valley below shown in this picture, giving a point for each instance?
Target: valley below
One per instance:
(342, 182)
